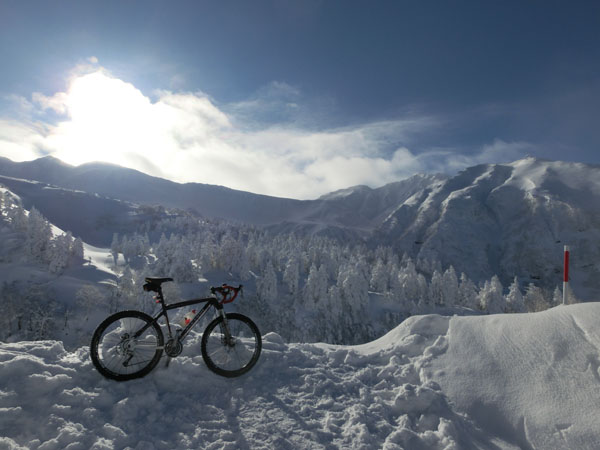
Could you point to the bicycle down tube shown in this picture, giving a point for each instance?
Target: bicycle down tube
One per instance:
(211, 301)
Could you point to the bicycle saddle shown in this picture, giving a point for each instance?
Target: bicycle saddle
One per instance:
(157, 280)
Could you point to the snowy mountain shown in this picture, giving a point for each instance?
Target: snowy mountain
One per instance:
(505, 219)
(360, 261)
(133, 186)
(518, 381)
(357, 209)
(511, 220)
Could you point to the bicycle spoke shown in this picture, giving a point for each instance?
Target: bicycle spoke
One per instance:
(235, 355)
(119, 354)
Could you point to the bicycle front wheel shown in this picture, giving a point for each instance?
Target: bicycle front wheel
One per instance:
(231, 349)
(126, 345)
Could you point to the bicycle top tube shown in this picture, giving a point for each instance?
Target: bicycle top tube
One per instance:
(191, 302)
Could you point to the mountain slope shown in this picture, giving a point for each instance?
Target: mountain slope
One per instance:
(498, 382)
(358, 211)
(134, 186)
(505, 219)
(510, 220)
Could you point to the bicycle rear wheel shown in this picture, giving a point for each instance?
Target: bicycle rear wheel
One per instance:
(118, 353)
(234, 356)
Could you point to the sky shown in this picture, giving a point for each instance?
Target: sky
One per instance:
(299, 98)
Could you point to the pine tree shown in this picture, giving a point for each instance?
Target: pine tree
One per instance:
(514, 298)
(181, 268)
(315, 289)
(408, 280)
(467, 293)
(267, 283)
(491, 298)
(355, 291)
(38, 236)
(534, 299)
(450, 287)
(115, 247)
(77, 249)
(556, 297)
(59, 253)
(291, 275)
(436, 288)
(379, 281)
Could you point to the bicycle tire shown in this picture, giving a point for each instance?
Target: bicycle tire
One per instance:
(235, 358)
(118, 356)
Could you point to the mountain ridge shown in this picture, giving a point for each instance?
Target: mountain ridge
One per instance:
(506, 219)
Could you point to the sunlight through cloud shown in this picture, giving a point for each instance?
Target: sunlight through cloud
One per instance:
(185, 137)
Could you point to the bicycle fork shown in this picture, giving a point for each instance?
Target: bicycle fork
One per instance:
(225, 329)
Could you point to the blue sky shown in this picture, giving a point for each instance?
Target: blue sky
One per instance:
(298, 98)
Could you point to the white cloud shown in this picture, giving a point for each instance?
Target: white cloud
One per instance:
(21, 141)
(187, 138)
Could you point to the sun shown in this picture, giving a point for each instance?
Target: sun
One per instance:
(107, 120)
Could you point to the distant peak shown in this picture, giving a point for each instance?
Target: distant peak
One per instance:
(345, 192)
(49, 159)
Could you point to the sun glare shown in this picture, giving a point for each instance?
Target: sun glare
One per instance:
(109, 120)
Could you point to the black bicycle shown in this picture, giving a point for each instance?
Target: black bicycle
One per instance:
(129, 344)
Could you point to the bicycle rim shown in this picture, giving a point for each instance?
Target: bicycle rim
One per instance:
(118, 354)
(236, 356)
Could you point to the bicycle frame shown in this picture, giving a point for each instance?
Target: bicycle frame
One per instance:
(210, 301)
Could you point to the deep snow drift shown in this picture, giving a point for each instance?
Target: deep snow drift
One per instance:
(502, 381)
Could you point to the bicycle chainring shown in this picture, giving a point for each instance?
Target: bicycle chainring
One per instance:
(173, 347)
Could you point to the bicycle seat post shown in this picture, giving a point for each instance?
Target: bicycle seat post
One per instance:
(159, 296)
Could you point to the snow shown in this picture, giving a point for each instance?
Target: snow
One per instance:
(493, 219)
(100, 258)
(530, 379)
(434, 382)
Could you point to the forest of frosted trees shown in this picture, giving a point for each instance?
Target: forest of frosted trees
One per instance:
(304, 287)
(310, 287)
(28, 311)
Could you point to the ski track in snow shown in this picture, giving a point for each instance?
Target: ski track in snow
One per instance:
(410, 389)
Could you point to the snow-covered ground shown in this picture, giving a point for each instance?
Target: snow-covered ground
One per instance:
(504, 381)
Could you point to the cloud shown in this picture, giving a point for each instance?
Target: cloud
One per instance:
(21, 141)
(186, 137)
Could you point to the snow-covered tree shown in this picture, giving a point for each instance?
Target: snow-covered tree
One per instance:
(355, 291)
(410, 283)
(450, 287)
(291, 275)
(88, 297)
(77, 249)
(436, 289)
(59, 252)
(534, 299)
(267, 283)
(315, 289)
(181, 268)
(514, 298)
(231, 254)
(379, 276)
(490, 296)
(15, 214)
(115, 247)
(38, 236)
(467, 292)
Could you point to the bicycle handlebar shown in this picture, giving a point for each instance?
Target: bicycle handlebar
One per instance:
(229, 293)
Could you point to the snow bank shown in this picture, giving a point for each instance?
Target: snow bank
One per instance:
(531, 379)
(525, 381)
